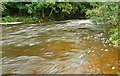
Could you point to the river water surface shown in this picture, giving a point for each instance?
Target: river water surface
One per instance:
(57, 48)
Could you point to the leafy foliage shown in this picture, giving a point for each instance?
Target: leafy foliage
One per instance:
(107, 13)
(115, 34)
(20, 19)
(104, 12)
(7, 19)
(55, 10)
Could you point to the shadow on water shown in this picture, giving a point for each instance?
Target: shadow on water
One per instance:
(57, 49)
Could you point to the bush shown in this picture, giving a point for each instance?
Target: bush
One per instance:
(106, 13)
(8, 19)
(116, 35)
(20, 19)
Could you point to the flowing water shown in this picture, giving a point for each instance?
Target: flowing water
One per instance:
(73, 46)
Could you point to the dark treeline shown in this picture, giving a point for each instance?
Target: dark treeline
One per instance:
(51, 10)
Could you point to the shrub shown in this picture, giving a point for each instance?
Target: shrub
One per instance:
(20, 19)
(106, 12)
(8, 19)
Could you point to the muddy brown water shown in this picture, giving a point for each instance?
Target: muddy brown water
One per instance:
(35, 49)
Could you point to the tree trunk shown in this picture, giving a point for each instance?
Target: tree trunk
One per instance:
(43, 14)
(50, 13)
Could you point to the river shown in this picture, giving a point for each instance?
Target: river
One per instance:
(69, 47)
